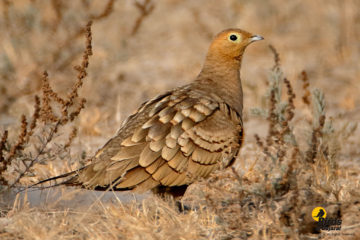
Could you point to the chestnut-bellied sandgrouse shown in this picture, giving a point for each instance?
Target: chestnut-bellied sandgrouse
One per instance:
(178, 136)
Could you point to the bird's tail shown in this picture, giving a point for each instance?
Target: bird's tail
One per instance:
(70, 179)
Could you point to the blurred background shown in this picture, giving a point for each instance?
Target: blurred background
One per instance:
(142, 48)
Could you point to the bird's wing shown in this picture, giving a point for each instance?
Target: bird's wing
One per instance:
(178, 138)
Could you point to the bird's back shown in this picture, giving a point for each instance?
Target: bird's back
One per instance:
(171, 140)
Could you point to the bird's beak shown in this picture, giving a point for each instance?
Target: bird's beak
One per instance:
(256, 38)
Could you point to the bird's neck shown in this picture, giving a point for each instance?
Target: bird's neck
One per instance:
(226, 77)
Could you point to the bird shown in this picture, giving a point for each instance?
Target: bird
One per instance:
(179, 136)
(320, 214)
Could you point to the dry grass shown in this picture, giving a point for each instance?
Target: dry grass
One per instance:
(301, 146)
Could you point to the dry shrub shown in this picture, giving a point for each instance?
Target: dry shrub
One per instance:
(41, 23)
(38, 141)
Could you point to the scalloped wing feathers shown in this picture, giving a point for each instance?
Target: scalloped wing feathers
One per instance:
(171, 140)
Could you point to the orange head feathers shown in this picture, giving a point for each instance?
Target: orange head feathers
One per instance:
(222, 64)
(229, 45)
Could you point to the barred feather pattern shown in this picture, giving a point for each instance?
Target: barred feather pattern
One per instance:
(170, 141)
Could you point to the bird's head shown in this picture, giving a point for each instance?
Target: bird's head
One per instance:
(230, 44)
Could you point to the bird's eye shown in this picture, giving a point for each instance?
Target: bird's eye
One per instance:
(233, 37)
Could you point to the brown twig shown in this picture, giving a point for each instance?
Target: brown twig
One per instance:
(291, 96)
(46, 112)
(262, 146)
(20, 141)
(3, 145)
(106, 12)
(145, 9)
(306, 84)
(272, 119)
(57, 6)
(16, 147)
(6, 5)
(82, 68)
(71, 137)
(109, 8)
(236, 174)
(276, 57)
(36, 116)
(77, 111)
(41, 151)
(78, 33)
(289, 114)
(3, 162)
(316, 134)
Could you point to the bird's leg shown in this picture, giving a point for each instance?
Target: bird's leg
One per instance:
(173, 193)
